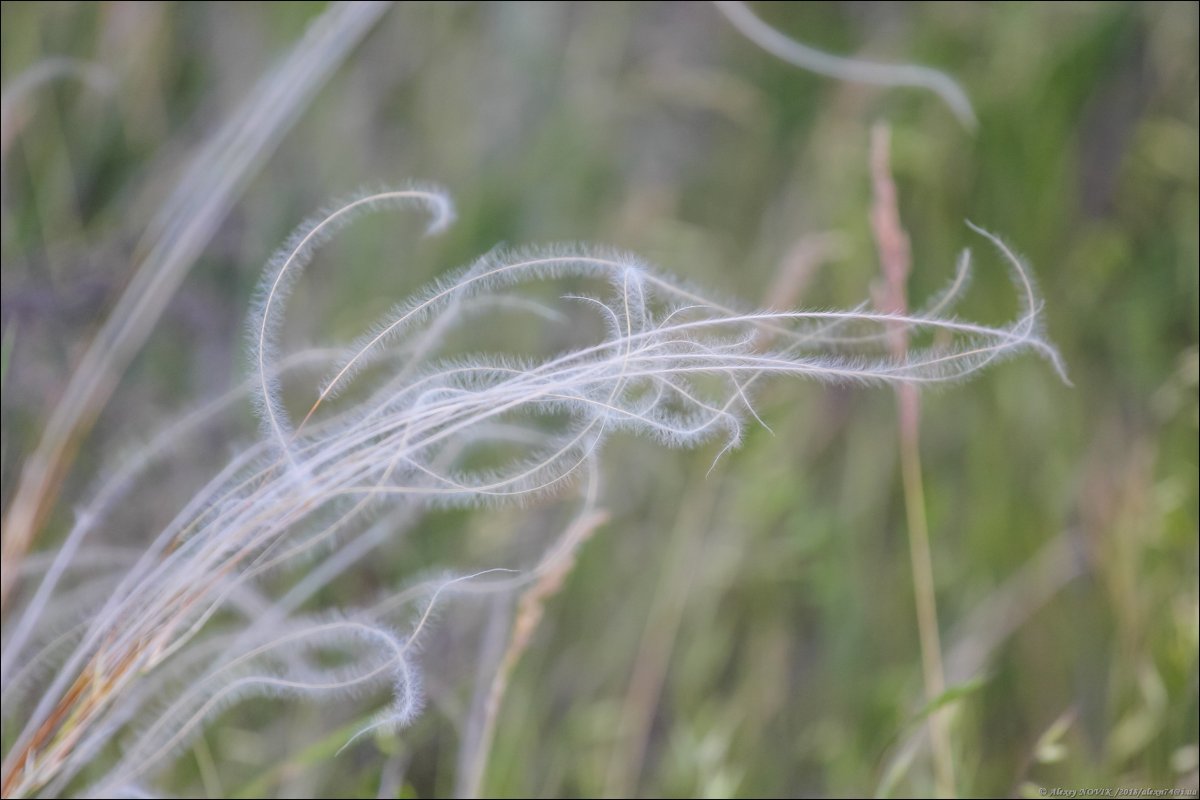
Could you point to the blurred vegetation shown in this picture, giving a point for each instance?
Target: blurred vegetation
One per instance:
(746, 631)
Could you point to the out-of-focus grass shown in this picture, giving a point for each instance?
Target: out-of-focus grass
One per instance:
(750, 630)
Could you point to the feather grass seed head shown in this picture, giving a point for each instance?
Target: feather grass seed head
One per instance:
(430, 427)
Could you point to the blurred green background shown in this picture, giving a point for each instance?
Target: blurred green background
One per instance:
(749, 631)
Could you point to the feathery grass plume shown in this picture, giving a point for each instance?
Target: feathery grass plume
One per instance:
(121, 481)
(288, 264)
(429, 428)
(285, 665)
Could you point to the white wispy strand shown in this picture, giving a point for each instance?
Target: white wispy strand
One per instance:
(847, 69)
(286, 267)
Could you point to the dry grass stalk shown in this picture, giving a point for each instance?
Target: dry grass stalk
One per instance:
(895, 259)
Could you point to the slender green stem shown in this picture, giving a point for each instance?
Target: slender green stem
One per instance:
(923, 590)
